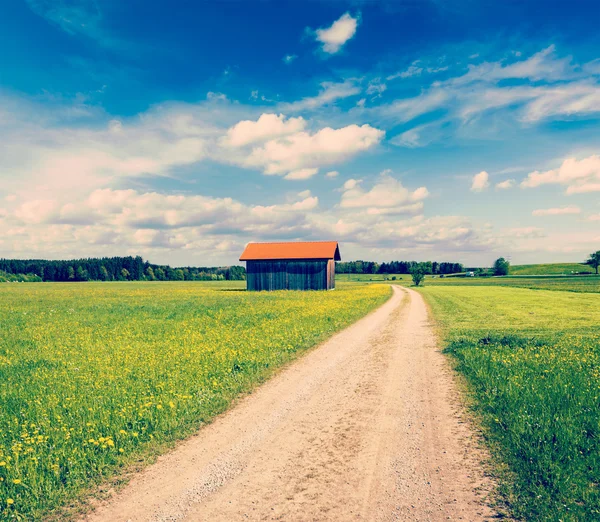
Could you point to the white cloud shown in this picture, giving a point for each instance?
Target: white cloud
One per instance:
(579, 176)
(332, 174)
(594, 217)
(308, 151)
(556, 211)
(413, 70)
(417, 68)
(408, 109)
(334, 37)
(350, 184)
(387, 196)
(216, 96)
(480, 182)
(567, 90)
(506, 184)
(289, 58)
(524, 232)
(37, 211)
(419, 136)
(543, 65)
(268, 126)
(301, 174)
(330, 92)
(376, 87)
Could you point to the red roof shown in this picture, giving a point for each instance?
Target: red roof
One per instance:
(298, 250)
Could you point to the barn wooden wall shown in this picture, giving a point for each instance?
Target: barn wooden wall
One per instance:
(290, 275)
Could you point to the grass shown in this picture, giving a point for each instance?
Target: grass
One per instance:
(368, 278)
(532, 361)
(586, 284)
(95, 376)
(550, 269)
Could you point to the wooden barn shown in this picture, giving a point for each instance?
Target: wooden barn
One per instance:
(291, 266)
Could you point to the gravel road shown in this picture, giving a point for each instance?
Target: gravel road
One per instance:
(368, 426)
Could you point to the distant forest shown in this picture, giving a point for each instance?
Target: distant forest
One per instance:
(111, 269)
(136, 269)
(396, 267)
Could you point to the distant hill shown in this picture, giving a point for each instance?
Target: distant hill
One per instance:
(551, 269)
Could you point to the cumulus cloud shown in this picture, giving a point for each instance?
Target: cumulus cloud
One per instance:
(334, 37)
(480, 182)
(304, 150)
(579, 176)
(267, 126)
(332, 174)
(506, 184)
(387, 196)
(289, 58)
(561, 211)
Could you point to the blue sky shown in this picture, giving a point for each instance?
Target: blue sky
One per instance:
(406, 130)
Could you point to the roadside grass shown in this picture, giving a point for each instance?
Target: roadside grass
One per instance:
(96, 376)
(532, 362)
(587, 284)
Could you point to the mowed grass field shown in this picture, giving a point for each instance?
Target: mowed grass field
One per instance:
(550, 269)
(96, 376)
(531, 359)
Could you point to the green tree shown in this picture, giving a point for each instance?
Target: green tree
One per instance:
(178, 275)
(501, 267)
(82, 274)
(150, 274)
(125, 274)
(104, 273)
(71, 273)
(417, 271)
(594, 260)
(160, 274)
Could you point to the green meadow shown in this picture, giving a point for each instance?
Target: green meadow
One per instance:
(96, 376)
(585, 284)
(550, 269)
(531, 359)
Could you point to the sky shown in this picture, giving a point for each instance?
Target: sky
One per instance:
(416, 130)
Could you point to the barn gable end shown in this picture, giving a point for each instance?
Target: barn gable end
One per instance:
(291, 266)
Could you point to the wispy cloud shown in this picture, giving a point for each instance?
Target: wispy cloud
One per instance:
(77, 18)
(330, 92)
(560, 211)
(543, 86)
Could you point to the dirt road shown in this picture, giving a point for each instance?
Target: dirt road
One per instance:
(366, 427)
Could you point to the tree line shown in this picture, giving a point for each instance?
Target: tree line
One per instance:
(397, 267)
(111, 269)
